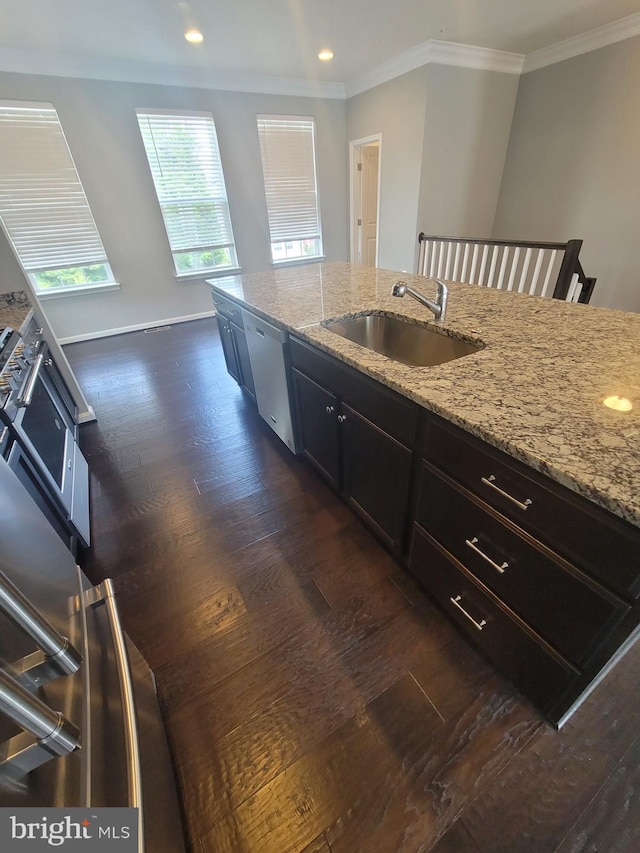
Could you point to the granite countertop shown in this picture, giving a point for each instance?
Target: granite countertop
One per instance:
(534, 391)
(14, 309)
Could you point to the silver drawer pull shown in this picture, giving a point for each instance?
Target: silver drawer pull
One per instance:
(490, 481)
(472, 543)
(456, 602)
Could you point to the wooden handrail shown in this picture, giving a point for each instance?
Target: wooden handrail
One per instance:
(525, 265)
(489, 241)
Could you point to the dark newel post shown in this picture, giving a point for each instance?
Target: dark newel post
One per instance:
(568, 268)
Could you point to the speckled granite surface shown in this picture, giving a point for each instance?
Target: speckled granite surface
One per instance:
(534, 391)
(14, 308)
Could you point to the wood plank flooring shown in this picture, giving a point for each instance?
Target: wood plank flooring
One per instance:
(315, 700)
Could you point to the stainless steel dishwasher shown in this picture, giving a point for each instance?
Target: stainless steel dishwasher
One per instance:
(266, 344)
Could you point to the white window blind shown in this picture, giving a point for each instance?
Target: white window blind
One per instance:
(184, 158)
(43, 206)
(287, 146)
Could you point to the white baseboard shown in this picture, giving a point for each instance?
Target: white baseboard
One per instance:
(107, 333)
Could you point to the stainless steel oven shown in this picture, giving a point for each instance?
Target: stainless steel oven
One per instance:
(40, 422)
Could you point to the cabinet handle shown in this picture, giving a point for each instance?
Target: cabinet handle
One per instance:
(329, 410)
(342, 418)
(456, 602)
(490, 481)
(472, 544)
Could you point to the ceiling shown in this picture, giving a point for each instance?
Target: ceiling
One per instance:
(279, 37)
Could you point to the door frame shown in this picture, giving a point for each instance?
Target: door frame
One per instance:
(355, 193)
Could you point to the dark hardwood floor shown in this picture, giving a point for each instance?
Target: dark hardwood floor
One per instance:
(315, 700)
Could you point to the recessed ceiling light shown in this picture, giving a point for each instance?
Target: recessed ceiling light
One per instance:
(620, 404)
(325, 55)
(194, 36)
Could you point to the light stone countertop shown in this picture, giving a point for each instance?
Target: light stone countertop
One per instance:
(14, 309)
(535, 390)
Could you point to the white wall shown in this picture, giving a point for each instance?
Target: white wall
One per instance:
(445, 132)
(395, 109)
(100, 124)
(573, 166)
(467, 125)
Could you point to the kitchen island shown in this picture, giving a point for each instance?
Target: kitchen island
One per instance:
(505, 485)
(535, 390)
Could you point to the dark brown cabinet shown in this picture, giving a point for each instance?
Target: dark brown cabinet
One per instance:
(488, 544)
(317, 417)
(542, 580)
(234, 344)
(343, 419)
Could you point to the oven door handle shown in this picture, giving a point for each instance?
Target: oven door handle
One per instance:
(30, 384)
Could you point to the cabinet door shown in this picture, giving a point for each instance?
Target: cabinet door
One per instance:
(317, 411)
(244, 363)
(377, 474)
(226, 339)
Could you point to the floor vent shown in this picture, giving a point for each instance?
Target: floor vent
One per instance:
(157, 329)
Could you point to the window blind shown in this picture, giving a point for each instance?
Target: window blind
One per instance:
(42, 203)
(187, 172)
(287, 146)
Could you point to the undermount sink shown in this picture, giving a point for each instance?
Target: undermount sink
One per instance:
(402, 341)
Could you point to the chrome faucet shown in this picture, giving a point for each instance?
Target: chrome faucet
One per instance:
(439, 307)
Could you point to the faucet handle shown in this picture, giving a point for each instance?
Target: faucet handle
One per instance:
(399, 288)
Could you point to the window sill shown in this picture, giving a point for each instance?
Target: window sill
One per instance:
(294, 262)
(77, 290)
(205, 274)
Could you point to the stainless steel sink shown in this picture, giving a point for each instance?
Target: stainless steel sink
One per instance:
(402, 341)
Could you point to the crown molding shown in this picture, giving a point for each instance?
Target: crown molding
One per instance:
(608, 34)
(470, 56)
(436, 52)
(89, 68)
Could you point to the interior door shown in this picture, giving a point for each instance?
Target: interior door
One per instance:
(370, 166)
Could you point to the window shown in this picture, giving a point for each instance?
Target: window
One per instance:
(184, 158)
(43, 208)
(287, 145)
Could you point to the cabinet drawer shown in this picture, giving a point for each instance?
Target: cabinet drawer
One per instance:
(522, 656)
(390, 411)
(227, 308)
(591, 538)
(569, 610)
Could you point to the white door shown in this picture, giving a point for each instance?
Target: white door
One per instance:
(370, 161)
(365, 189)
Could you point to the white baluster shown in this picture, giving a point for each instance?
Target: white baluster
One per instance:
(514, 266)
(456, 261)
(447, 267)
(483, 263)
(474, 261)
(434, 258)
(536, 271)
(503, 267)
(440, 268)
(525, 270)
(492, 268)
(465, 258)
(552, 259)
(573, 287)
